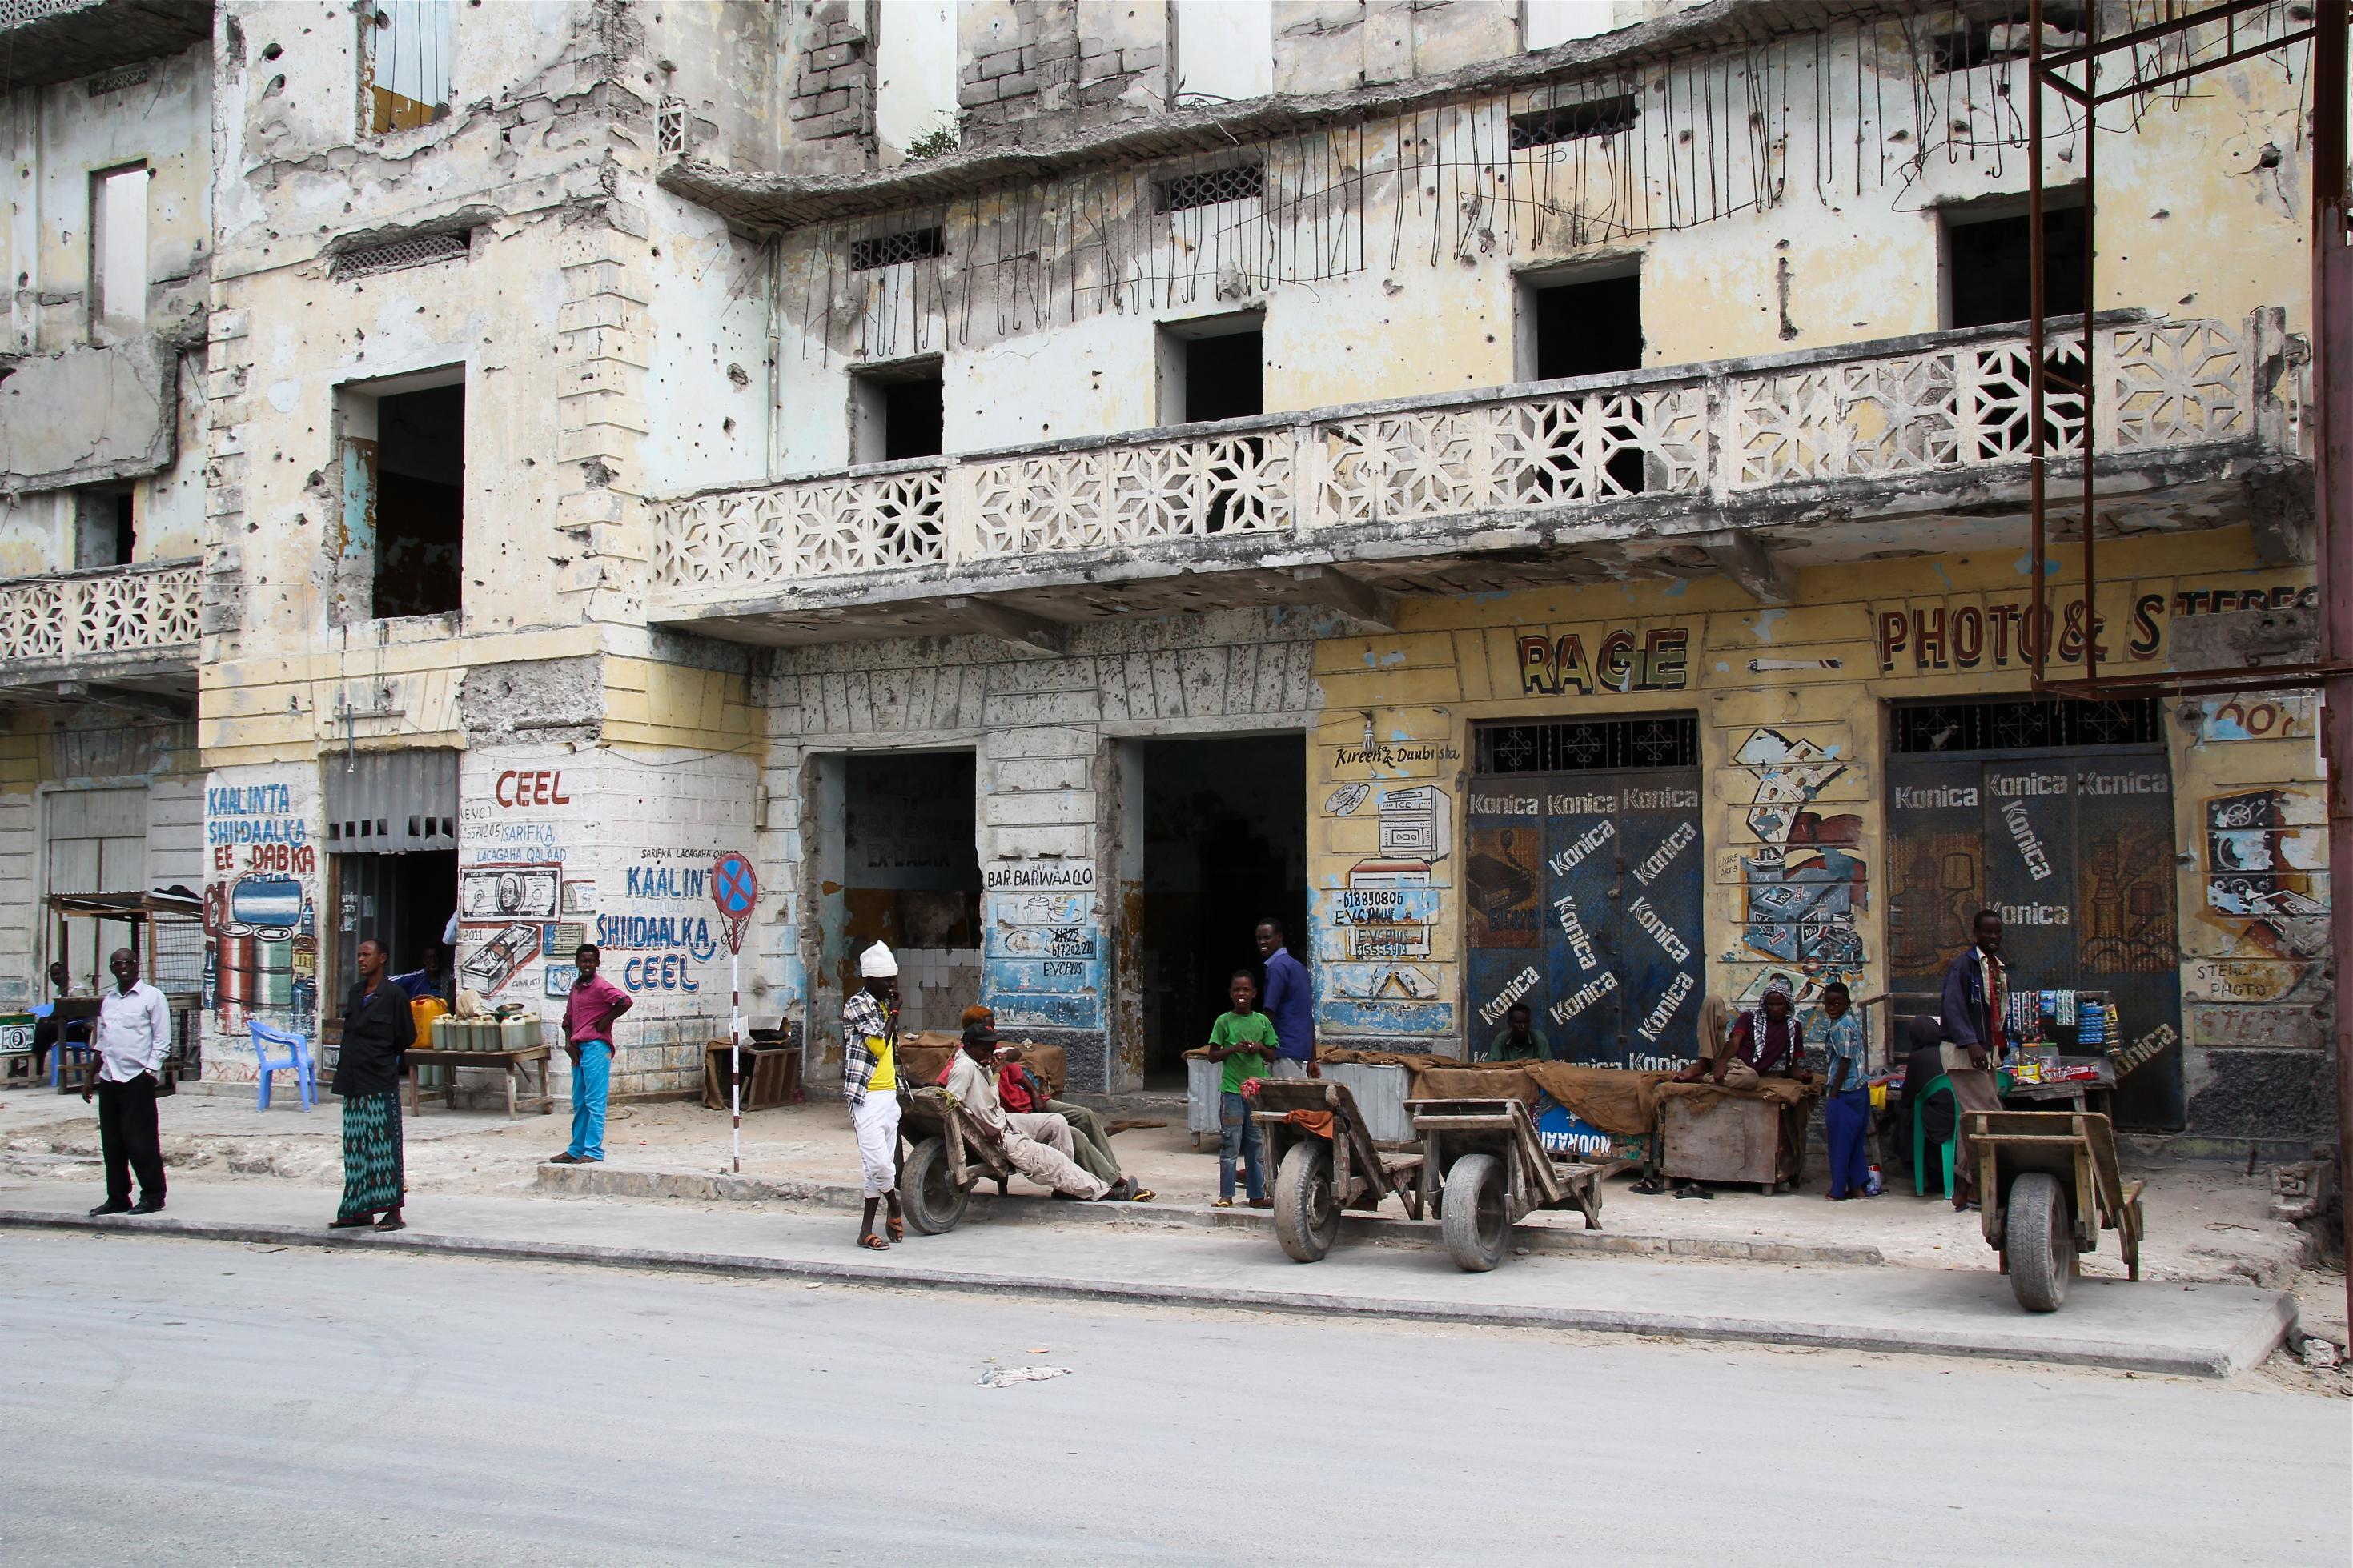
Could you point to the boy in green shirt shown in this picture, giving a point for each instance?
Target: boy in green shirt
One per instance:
(1243, 1039)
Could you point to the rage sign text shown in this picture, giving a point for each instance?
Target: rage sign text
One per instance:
(1656, 660)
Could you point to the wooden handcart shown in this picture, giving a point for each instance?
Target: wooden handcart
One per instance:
(1322, 1167)
(944, 1153)
(2048, 1183)
(1484, 1169)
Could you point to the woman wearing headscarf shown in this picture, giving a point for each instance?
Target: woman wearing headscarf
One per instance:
(1769, 1039)
(378, 1028)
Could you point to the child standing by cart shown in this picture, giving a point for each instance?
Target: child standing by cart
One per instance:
(1243, 1039)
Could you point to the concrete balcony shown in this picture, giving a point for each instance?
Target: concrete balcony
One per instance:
(1741, 465)
(126, 632)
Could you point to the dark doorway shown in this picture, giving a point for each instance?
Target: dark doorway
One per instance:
(420, 501)
(912, 879)
(1225, 844)
(404, 900)
(1589, 326)
(1987, 261)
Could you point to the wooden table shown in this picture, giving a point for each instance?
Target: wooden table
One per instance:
(1733, 1138)
(513, 1062)
(772, 1076)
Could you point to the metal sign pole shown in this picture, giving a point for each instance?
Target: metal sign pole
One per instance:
(735, 1047)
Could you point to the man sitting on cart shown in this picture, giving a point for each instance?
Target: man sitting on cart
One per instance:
(972, 1078)
(1767, 1040)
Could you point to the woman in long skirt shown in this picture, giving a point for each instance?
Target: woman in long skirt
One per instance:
(377, 1028)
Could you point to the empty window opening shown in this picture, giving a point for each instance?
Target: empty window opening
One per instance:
(118, 250)
(889, 249)
(2003, 36)
(1225, 50)
(404, 59)
(1588, 326)
(897, 412)
(1987, 260)
(1575, 122)
(915, 72)
(403, 477)
(106, 527)
(1212, 369)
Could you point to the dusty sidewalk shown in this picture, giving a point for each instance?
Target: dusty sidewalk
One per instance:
(2198, 1330)
(2208, 1222)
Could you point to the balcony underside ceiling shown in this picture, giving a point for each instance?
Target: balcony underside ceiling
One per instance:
(62, 39)
(1632, 540)
(151, 689)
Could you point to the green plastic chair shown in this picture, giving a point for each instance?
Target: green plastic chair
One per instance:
(1943, 1085)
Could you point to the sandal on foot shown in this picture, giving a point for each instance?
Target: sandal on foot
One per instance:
(873, 1243)
(341, 1224)
(1221, 1204)
(1142, 1195)
(392, 1222)
(897, 1227)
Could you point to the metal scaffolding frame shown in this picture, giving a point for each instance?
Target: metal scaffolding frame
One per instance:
(2075, 75)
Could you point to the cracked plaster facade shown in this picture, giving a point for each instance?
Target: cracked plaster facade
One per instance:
(638, 321)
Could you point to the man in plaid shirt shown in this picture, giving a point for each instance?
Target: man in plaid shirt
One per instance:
(869, 1082)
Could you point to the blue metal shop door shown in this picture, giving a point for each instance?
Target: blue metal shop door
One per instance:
(1585, 889)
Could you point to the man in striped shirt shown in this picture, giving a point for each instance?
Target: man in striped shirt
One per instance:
(869, 1082)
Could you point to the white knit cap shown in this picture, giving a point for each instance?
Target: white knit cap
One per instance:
(876, 963)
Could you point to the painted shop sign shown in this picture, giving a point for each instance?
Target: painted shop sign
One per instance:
(1043, 874)
(530, 786)
(1985, 633)
(1622, 659)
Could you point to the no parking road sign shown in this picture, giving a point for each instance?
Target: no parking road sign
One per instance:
(736, 891)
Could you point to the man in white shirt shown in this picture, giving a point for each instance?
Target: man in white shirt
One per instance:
(133, 1032)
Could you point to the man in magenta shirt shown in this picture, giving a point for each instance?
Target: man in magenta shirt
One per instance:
(588, 1015)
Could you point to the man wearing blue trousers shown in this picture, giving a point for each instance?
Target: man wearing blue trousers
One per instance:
(1846, 1114)
(588, 1017)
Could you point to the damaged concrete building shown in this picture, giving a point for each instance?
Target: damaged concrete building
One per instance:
(1532, 496)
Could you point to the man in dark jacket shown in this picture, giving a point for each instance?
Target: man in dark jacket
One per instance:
(377, 1028)
(1977, 995)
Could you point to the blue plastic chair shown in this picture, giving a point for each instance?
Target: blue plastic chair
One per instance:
(297, 1059)
(80, 1049)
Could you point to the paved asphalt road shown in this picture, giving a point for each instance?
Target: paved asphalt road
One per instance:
(193, 1401)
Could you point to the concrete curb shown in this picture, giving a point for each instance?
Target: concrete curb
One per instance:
(2253, 1346)
(611, 1182)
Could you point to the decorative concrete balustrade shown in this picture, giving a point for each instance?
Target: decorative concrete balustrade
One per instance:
(94, 618)
(1722, 433)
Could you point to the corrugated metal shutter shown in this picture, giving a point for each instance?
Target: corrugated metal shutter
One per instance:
(386, 803)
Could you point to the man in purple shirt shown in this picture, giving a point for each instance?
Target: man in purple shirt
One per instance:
(588, 1015)
(1289, 1002)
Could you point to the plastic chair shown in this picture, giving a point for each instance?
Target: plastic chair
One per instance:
(58, 1061)
(297, 1059)
(1942, 1085)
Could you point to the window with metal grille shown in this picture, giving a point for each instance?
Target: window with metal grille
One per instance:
(417, 250)
(1241, 183)
(118, 78)
(889, 249)
(1574, 122)
(1587, 745)
(2024, 724)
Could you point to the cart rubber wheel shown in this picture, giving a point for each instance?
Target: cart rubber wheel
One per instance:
(1472, 1216)
(1306, 1216)
(928, 1191)
(2041, 1248)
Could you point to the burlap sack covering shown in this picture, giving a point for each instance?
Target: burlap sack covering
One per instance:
(1616, 1101)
